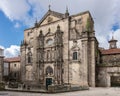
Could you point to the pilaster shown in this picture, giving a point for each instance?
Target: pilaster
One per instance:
(85, 60)
(92, 64)
(23, 62)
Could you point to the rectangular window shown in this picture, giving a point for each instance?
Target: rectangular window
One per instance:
(29, 59)
(74, 55)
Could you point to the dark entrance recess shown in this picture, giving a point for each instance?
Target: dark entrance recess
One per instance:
(115, 81)
(48, 82)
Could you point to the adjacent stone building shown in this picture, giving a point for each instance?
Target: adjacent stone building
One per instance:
(60, 49)
(1, 63)
(11, 69)
(109, 67)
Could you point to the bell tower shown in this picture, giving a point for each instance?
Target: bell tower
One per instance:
(113, 43)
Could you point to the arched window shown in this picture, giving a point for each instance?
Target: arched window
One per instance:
(49, 70)
(74, 55)
(49, 41)
(29, 57)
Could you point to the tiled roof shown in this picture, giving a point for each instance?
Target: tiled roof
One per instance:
(1, 49)
(110, 51)
(13, 59)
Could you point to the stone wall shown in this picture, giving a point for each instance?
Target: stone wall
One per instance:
(109, 66)
(104, 75)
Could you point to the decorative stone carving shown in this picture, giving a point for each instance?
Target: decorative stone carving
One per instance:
(75, 49)
(50, 19)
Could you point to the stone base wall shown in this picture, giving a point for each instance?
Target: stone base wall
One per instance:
(66, 88)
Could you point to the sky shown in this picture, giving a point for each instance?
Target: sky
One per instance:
(18, 15)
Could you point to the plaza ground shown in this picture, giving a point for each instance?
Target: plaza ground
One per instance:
(112, 91)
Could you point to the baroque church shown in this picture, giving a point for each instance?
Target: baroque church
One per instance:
(62, 49)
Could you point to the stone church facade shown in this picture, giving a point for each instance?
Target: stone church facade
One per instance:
(60, 49)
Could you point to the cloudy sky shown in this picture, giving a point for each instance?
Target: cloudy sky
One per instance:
(17, 15)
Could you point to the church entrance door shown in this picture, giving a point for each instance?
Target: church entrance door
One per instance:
(48, 82)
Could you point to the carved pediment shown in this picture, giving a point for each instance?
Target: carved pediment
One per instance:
(49, 17)
(49, 34)
(75, 46)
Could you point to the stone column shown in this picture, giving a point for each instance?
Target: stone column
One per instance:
(92, 64)
(35, 62)
(108, 82)
(23, 63)
(55, 72)
(85, 61)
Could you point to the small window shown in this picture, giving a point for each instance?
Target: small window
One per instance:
(74, 55)
(29, 59)
(14, 65)
(28, 34)
(80, 21)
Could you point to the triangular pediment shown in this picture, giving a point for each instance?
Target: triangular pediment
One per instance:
(49, 34)
(50, 16)
(76, 48)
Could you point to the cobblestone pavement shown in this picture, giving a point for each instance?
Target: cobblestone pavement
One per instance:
(91, 92)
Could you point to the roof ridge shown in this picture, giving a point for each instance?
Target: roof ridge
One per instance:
(110, 51)
(80, 13)
(57, 12)
(12, 57)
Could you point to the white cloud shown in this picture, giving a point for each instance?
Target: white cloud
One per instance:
(17, 25)
(12, 51)
(1, 47)
(15, 10)
(105, 13)
(117, 36)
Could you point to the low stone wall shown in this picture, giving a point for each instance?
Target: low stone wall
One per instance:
(66, 88)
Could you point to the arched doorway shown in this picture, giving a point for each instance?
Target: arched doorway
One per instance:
(49, 73)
